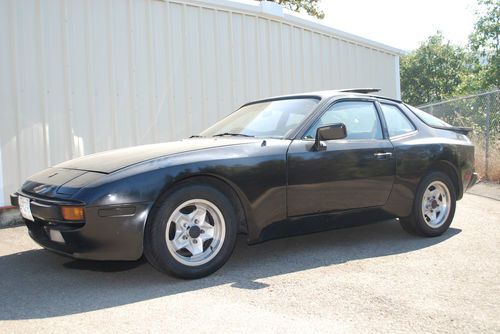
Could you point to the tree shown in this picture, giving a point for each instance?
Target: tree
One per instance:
(310, 6)
(433, 71)
(484, 42)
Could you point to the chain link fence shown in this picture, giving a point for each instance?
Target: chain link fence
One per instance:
(481, 112)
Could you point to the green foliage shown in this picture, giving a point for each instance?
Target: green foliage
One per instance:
(484, 42)
(432, 72)
(309, 6)
(437, 70)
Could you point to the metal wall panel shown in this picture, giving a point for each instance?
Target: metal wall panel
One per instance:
(83, 76)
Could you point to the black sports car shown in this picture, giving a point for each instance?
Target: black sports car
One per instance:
(279, 166)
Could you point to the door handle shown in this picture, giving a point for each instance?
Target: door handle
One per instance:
(382, 155)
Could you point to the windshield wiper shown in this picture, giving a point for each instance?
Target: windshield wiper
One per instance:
(196, 136)
(231, 134)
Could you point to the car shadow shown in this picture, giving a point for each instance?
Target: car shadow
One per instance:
(38, 284)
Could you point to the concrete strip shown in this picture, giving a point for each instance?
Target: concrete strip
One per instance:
(486, 189)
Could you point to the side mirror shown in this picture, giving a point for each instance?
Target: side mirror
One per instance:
(329, 132)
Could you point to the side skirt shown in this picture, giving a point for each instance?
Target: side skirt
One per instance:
(321, 222)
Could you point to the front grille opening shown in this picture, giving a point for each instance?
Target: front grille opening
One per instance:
(56, 225)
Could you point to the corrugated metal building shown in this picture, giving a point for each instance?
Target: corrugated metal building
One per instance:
(82, 76)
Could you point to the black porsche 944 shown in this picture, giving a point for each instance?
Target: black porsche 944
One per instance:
(279, 166)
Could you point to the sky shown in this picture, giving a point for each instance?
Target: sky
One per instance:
(401, 23)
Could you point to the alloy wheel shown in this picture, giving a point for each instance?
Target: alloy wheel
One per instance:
(195, 232)
(436, 203)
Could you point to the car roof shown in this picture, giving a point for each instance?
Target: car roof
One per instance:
(325, 94)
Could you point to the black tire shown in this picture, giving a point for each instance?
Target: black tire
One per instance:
(155, 244)
(416, 223)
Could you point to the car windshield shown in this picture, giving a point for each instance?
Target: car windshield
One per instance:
(429, 119)
(273, 119)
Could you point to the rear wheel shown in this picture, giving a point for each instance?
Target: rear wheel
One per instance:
(433, 208)
(192, 232)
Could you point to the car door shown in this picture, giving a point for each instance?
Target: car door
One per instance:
(355, 172)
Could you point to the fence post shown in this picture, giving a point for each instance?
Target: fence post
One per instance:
(487, 136)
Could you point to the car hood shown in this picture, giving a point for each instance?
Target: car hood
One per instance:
(111, 161)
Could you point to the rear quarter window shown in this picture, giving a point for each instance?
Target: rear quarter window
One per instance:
(397, 123)
(428, 118)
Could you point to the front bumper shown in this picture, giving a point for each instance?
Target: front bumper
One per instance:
(107, 233)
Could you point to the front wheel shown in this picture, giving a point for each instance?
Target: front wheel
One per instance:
(433, 208)
(192, 232)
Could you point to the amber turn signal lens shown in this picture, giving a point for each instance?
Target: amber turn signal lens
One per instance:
(72, 212)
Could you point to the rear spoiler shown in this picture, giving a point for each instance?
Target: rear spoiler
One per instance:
(458, 129)
(360, 90)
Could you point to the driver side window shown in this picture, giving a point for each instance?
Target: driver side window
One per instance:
(360, 118)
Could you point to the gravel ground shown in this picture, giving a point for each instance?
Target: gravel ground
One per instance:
(10, 217)
(373, 278)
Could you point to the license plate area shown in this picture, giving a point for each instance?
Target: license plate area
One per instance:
(24, 207)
